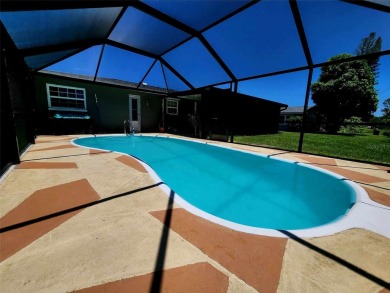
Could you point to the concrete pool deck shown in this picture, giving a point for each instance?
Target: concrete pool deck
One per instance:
(74, 219)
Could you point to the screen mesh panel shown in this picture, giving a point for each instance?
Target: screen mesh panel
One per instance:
(41, 60)
(31, 29)
(331, 27)
(201, 69)
(143, 31)
(259, 40)
(202, 13)
(123, 65)
(83, 63)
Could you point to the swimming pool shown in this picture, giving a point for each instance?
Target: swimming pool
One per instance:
(239, 187)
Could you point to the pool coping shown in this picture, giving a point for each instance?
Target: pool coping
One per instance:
(373, 212)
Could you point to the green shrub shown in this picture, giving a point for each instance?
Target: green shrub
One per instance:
(352, 128)
(294, 123)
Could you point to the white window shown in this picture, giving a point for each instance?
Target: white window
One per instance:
(172, 106)
(66, 98)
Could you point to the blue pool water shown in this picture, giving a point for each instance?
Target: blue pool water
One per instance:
(236, 186)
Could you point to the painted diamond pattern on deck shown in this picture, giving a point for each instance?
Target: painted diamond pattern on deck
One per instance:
(331, 165)
(131, 162)
(255, 259)
(46, 165)
(195, 278)
(97, 152)
(377, 196)
(42, 203)
(318, 160)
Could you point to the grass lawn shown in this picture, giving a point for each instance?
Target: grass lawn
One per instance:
(364, 147)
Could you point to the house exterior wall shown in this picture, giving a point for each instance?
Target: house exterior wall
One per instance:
(222, 112)
(255, 116)
(181, 123)
(107, 115)
(244, 115)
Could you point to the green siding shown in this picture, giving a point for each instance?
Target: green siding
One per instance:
(110, 111)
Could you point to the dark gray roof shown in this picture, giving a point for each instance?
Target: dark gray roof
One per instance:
(294, 110)
(109, 81)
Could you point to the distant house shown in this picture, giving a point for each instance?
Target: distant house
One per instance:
(297, 111)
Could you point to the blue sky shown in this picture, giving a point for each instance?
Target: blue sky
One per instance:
(340, 30)
(294, 86)
(260, 40)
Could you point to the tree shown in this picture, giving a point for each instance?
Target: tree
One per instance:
(368, 45)
(386, 108)
(345, 90)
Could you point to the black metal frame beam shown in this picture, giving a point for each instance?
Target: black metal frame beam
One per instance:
(131, 49)
(306, 103)
(28, 5)
(231, 107)
(171, 21)
(147, 72)
(72, 45)
(306, 49)
(86, 45)
(62, 58)
(118, 18)
(360, 57)
(251, 3)
(165, 78)
(217, 84)
(177, 45)
(94, 43)
(166, 64)
(162, 16)
(19, 5)
(230, 15)
(369, 4)
(194, 33)
(99, 61)
(309, 81)
(217, 57)
(327, 63)
(301, 31)
(60, 47)
(274, 73)
(185, 28)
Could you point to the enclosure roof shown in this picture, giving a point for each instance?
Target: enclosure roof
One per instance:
(183, 45)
